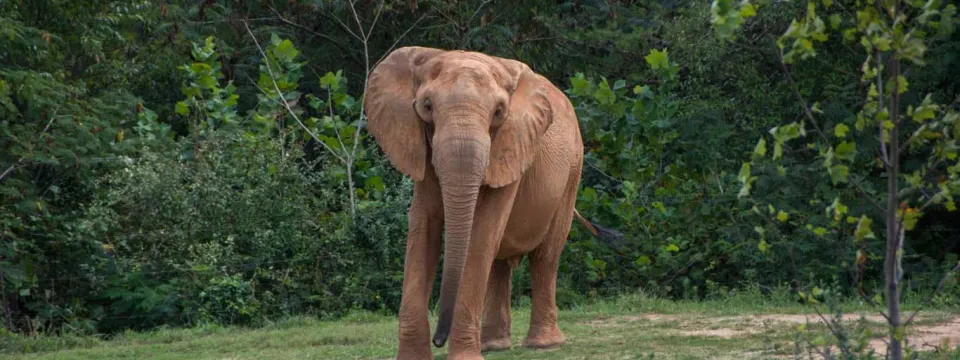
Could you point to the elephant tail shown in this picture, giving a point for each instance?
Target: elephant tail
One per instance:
(598, 231)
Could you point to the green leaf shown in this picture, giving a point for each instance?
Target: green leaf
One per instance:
(835, 21)
(782, 216)
(910, 217)
(619, 84)
(902, 84)
(863, 230)
(846, 150)
(642, 261)
(744, 190)
(286, 51)
(763, 246)
(820, 231)
(330, 81)
(816, 108)
(673, 248)
(744, 176)
(643, 91)
(659, 206)
(758, 230)
(839, 173)
(841, 130)
(582, 86)
(748, 10)
(604, 94)
(900, 333)
(927, 110)
(375, 182)
(182, 109)
(761, 149)
(658, 59)
(207, 82)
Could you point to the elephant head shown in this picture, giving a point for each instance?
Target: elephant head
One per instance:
(476, 118)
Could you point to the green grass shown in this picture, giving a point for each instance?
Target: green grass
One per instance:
(626, 328)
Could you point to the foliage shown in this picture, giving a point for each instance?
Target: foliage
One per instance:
(192, 162)
(893, 35)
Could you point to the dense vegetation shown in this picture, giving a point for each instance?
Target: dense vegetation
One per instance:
(183, 162)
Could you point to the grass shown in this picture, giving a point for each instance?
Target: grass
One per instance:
(629, 327)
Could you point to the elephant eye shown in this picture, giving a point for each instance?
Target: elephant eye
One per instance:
(498, 114)
(428, 105)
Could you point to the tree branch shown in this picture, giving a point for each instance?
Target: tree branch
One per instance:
(803, 102)
(339, 45)
(397, 42)
(866, 196)
(282, 100)
(940, 285)
(19, 161)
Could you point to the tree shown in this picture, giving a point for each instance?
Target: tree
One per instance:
(893, 36)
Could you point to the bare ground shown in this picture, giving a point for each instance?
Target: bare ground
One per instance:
(927, 333)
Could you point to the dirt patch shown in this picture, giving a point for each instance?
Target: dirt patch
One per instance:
(927, 337)
(721, 333)
(812, 318)
(614, 320)
(924, 337)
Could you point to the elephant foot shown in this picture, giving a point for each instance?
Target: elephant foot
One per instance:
(544, 339)
(495, 344)
(414, 353)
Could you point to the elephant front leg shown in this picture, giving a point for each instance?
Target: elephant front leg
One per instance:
(420, 267)
(495, 334)
(544, 261)
(490, 220)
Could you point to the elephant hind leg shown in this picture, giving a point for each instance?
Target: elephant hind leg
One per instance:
(544, 331)
(495, 334)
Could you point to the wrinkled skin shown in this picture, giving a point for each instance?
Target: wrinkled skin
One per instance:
(496, 156)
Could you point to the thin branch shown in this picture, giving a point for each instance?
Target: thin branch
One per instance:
(280, 93)
(330, 107)
(374, 24)
(342, 25)
(866, 196)
(803, 102)
(366, 78)
(475, 12)
(397, 42)
(185, 19)
(940, 285)
(363, 35)
(885, 156)
(19, 161)
(339, 45)
(922, 127)
(813, 121)
(10, 169)
(590, 164)
(351, 157)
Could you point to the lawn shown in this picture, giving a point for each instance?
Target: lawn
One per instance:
(631, 327)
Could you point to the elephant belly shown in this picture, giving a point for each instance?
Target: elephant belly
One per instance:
(538, 201)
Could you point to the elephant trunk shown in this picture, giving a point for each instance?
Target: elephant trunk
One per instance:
(460, 164)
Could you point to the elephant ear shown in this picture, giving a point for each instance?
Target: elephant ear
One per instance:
(514, 145)
(389, 107)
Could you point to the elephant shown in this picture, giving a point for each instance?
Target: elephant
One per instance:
(495, 154)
